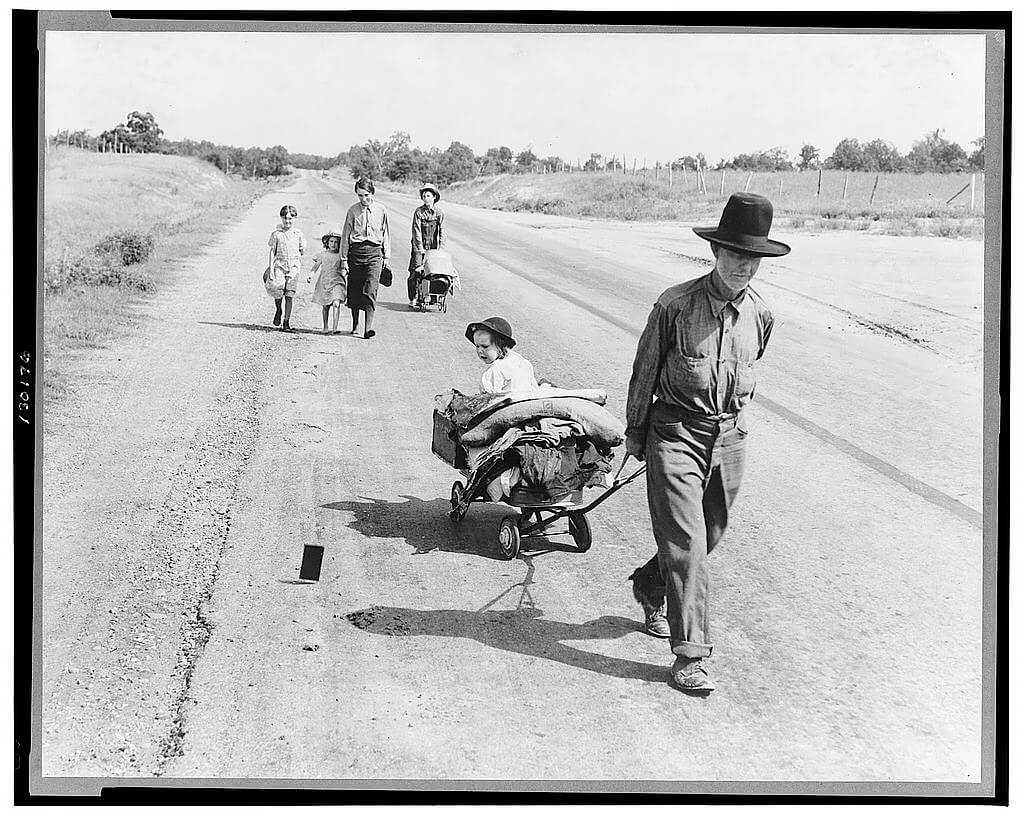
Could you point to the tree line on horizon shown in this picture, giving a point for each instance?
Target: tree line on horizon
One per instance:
(397, 160)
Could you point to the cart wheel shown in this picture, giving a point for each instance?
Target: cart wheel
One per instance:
(458, 493)
(579, 527)
(508, 538)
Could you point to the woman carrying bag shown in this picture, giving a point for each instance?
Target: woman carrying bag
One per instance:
(365, 250)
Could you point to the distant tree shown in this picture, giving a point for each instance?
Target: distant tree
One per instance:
(457, 163)
(553, 163)
(363, 161)
(525, 160)
(936, 153)
(809, 157)
(408, 166)
(497, 160)
(117, 136)
(595, 162)
(848, 155)
(880, 155)
(977, 158)
(769, 160)
(145, 133)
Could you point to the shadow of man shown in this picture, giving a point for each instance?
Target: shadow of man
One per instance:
(523, 631)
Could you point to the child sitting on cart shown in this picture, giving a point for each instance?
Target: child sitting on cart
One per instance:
(507, 370)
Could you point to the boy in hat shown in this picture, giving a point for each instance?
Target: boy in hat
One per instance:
(697, 356)
(428, 233)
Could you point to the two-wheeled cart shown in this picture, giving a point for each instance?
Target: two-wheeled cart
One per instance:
(538, 513)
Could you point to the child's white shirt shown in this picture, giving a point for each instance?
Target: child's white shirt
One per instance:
(513, 373)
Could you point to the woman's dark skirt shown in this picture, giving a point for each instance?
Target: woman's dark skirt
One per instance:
(365, 261)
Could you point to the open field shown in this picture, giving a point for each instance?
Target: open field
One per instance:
(181, 202)
(903, 204)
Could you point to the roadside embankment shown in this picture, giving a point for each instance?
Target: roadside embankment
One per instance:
(113, 225)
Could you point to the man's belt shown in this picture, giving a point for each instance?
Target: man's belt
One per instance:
(696, 417)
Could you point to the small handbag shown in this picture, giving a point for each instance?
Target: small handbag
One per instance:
(386, 279)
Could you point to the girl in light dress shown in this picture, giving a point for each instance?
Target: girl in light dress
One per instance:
(507, 370)
(330, 289)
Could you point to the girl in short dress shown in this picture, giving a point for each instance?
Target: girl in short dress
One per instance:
(330, 289)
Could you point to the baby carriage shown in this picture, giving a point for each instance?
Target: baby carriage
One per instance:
(438, 281)
(545, 448)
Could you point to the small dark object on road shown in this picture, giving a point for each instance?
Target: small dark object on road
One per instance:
(312, 558)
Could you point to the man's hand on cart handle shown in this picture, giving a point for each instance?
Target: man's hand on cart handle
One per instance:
(634, 447)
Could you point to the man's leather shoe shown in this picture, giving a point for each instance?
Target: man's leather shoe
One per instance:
(690, 676)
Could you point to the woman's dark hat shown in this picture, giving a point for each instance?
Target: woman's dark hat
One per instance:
(744, 227)
(432, 189)
(499, 326)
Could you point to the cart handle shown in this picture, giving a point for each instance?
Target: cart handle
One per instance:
(615, 486)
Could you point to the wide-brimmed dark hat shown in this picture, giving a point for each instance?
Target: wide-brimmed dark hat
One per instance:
(432, 189)
(744, 227)
(499, 326)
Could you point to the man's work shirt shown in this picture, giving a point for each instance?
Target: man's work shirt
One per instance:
(366, 224)
(697, 352)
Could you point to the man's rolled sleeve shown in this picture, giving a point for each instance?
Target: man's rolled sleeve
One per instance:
(650, 351)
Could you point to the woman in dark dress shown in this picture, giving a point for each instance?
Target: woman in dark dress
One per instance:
(365, 250)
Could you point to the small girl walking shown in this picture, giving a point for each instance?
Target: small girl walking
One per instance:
(287, 244)
(330, 289)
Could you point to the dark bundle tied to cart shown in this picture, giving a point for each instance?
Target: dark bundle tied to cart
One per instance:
(536, 451)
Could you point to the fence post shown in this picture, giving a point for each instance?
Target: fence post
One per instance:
(951, 198)
(634, 166)
(721, 189)
(873, 189)
(780, 186)
(846, 181)
(670, 174)
(819, 183)
(746, 186)
(972, 192)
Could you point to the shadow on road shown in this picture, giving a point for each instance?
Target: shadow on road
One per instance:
(401, 306)
(268, 328)
(522, 631)
(424, 524)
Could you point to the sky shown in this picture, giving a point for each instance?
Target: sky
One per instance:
(650, 96)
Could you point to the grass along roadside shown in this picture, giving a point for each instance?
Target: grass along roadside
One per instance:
(902, 203)
(179, 203)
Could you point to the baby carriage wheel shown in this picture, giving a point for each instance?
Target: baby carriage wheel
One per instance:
(579, 528)
(458, 493)
(508, 538)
